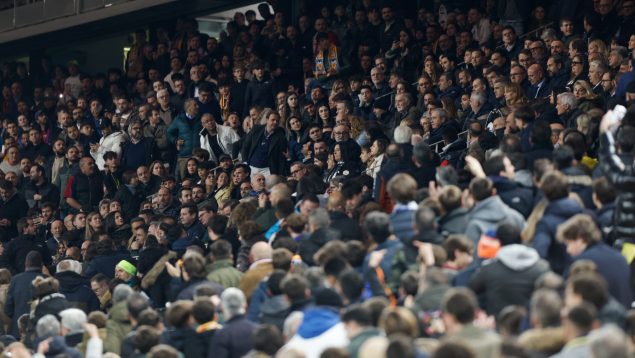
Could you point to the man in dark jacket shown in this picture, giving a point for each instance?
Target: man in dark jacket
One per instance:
(348, 228)
(139, 150)
(76, 288)
(319, 234)
(583, 241)
(259, 91)
(509, 278)
(264, 147)
(16, 251)
(84, 190)
(560, 208)
(40, 190)
(13, 206)
(230, 342)
(184, 134)
(129, 195)
(501, 171)
(21, 292)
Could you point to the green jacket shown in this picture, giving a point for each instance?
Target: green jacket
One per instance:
(224, 273)
(188, 130)
(117, 327)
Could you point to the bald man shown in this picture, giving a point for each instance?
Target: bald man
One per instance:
(539, 87)
(261, 267)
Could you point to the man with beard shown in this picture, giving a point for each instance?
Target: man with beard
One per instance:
(36, 146)
(167, 111)
(129, 195)
(139, 150)
(84, 189)
(68, 165)
(148, 182)
(558, 76)
(39, 190)
(165, 204)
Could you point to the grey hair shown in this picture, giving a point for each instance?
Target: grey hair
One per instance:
(233, 302)
(73, 319)
(479, 97)
(402, 134)
(609, 341)
(600, 65)
(47, 326)
(569, 99)
(320, 218)
(121, 293)
(546, 304)
(69, 265)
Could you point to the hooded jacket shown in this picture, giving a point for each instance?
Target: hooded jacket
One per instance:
(226, 137)
(274, 310)
(509, 278)
(112, 142)
(321, 328)
(544, 242)
(77, 291)
(117, 327)
(487, 214)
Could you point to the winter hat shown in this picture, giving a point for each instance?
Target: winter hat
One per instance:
(127, 267)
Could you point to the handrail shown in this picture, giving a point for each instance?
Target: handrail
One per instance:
(437, 144)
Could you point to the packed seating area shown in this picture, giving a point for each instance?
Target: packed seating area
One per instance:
(357, 178)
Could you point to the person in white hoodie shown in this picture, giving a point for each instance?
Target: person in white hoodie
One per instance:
(321, 327)
(110, 142)
(216, 139)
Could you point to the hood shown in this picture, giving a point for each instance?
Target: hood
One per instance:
(564, 208)
(317, 321)
(517, 257)
(70, 281)
(275, 305)
(490, 209)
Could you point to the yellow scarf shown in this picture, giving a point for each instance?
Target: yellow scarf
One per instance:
(333, 63)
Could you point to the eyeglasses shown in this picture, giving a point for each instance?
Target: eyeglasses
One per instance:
(339, 133)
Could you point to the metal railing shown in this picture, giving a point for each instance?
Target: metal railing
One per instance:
(15, 14)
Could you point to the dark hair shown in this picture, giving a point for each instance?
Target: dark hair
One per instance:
(145, 338)
(460, 303)
(335, 266)
(203, 310)
(591, 287)
(604, 190)
(481, 188)
(351, 284)
(221, 249)
(267, 338)
(555, 185)
(294, 287)
(508, 234)
(218, 224)
(357, 313)
(524, 113)
(33, 260)
(457, 242)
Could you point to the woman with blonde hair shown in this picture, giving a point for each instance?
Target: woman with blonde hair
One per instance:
(598, 46)
(514, 94)
(587, 100)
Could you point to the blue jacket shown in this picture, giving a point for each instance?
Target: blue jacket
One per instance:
(188, 130)
(401, 221)
(613, 267)
(556, 213)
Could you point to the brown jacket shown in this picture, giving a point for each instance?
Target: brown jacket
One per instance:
(252, 278)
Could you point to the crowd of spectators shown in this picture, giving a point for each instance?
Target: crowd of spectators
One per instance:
(362, 180)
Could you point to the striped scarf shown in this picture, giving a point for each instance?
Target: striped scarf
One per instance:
(333, 63)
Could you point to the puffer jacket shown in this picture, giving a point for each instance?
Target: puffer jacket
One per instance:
(623, 179)
(509, 278)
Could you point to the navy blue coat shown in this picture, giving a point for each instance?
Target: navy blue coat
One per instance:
(77, 291)
(232, 341)
(613, 267)
(556, 213)
(104, 264)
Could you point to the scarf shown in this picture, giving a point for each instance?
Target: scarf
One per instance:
(224, 106)
(333, 63)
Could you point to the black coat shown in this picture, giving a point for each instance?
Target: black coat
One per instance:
(623, 179)
(130, 201)
(347, 227)
(77, 291)
(13, 209)
(311, 243)
(104, 264)
(613, 267)
(232, 341)
(258, 93)
(278, 144)
(514, 195)
(16, 250)
(19, 297)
